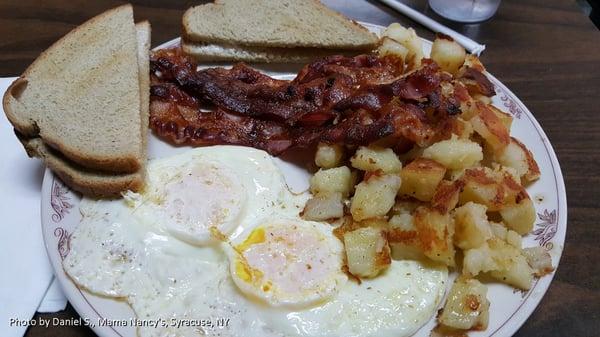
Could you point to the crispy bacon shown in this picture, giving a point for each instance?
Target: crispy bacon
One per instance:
(245, 91)
(337, 99)
(480, 82)
(177, 117)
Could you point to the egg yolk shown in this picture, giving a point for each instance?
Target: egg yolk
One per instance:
(205, 197)
(292, 264)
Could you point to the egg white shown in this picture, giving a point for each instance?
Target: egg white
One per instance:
(125, 249)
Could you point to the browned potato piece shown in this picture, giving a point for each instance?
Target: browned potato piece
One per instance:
(472, 228)
(467, 306)
(505, 170)
(517, 156)
(505, 118)
(504, 262)
(481, 187)
(446, 195)
(490, 127)
(519, 216)
(448, 54)
(390, 46)
(367, 251)
(496, 190)
(337, 179)
(482, 98)
(324, 206)
(465, 127)
(374, 196)
(409, 39)
(404, 239)
(435, 232)
(511, 237)
(455, 153)
(474, 62)
(375, 158)
(468, 105)
(421, 177)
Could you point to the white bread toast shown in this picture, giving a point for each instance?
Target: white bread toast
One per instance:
(97, 182)
(82, 95)
(88, 182)
(268, 24)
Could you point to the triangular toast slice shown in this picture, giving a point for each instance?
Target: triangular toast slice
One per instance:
(82, 95)
(268, 23)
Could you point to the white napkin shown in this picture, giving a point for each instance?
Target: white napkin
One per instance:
(26, 271)
(54, 300)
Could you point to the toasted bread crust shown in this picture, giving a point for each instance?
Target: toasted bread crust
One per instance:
(89, 183)
(213, 53)
(144, 30)
(30, 128)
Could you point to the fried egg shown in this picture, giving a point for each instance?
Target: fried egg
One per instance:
(288, 262)
(215, 234)
(209, 191)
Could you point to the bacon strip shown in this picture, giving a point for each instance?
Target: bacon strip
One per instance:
(336, 99)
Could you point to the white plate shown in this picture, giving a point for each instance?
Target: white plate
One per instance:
(509, 308)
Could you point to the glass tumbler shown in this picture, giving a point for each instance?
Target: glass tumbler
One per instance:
(465, 10)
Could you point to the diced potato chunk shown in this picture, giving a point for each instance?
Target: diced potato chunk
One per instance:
(519, 216)
(403, 238)
(481, 187)
(446, 195)
(514, 239)
(338, 179)
(403, 222)
(490, 127)
(409, 39)
(467, 306)
(465, 127)
(468, 105)
(375, 196)
(435, 232)
(511, 237)
(367, 252)
(474, 62)
(324, 206)
(329, 155)
(455, 153)
(498, 230)
(539, 260)
(503, 261)
(518, 157)
(376, 159)
(494, 189)
(505, 118)
(482, 98)
(502, 170)
(392, 47)
(472, 228)
(448, 54)
(421, 177)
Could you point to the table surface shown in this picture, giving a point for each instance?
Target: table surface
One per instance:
(546, 52)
